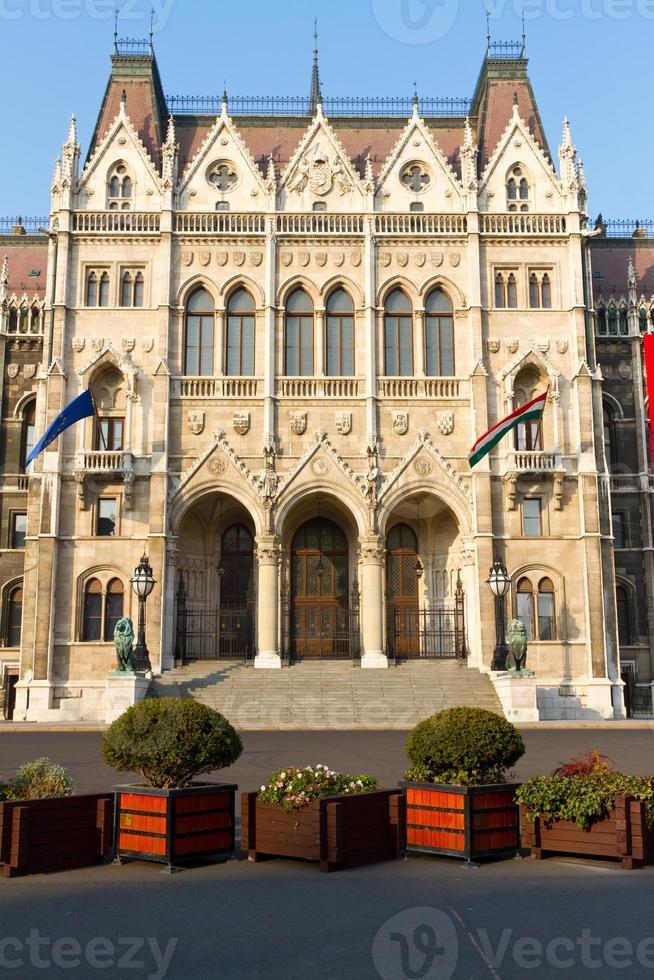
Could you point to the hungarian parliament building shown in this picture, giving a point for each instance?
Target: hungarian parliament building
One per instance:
(296, 316)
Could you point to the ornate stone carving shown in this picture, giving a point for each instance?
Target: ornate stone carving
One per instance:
(320, 467)
(222, 258)
(196, 422)
(543, 346)
(268, 480)
(420, 259)
(218, 466)
(321, 258)
(562, 346)
(204, 258)
(128, 344)
(624, 370)
(79, 343)
(287, 259)
(403, 259)
(29, 370)
(241, 422)
(454, 259)
(298, 423)
(423, 467)
(437, 259)
(344, 423)
(493, 345)
(385, 258)
(400, 423)
(559, 484)
(239, 259)
(97, 344)
(304, 258)
(12, 370)
(355, 259)
(187, 258)
(510, 488)
(147, 344)
(339, 258)
(445, 423)
(256, 258)
(320, 172)
(512, 344)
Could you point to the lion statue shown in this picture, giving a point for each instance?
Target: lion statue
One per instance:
(517, 644)
(124, 643)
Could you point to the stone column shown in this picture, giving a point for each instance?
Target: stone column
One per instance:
(372, 556)
(319, 344)
(268, 655)
(419, 361)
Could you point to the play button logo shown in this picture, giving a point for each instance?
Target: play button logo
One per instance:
(416, 21)
(417, 944)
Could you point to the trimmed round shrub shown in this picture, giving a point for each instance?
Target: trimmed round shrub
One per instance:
(39, 780)
(463, 747)
(170, 741)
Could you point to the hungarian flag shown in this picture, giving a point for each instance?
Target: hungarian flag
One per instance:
(648, 341)
(531, 412)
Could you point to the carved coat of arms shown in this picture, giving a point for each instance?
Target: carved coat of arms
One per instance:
(196, 422)
(242, 423)
(298, 423)
(400, 423)
(344, 423)
(445, 423)
(319, 172)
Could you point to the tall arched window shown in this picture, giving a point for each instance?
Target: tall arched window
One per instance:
(113, 608)
(610, 443)
(92, 289)
(439, 335)
(236, 565)
(525, 610)
(613, 322)
(528, 435)
(537, 608)
(92, 614)
(517, 190)
(126, 294)
(340, 335)
(546, 610)
(28, 435)
(198, 353)
(139, 285)
(398, 335)
(642, 320)
(500, 292)
(601, 322)
(298, 345)
(14, 617)
(240, 334)
(625, 636)
(13, 320)
(624, 322)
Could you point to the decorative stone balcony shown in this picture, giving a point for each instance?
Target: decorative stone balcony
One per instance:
(538, 462)
(521, 225)
(104, 464)
(534, 464)
(318, 387)
(439, 388)
(117, 222)
(199, 388)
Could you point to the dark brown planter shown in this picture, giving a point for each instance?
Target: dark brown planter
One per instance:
(623, 835)
(175, 826)
(471, 822)
(336, 831)
(37, 836)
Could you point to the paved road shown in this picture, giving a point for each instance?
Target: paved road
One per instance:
(379, 753)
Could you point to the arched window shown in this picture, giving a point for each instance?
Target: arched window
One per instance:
(35, 325)
(298, 345)
(14, 617)
(113, 606)
(398, 335)
(517, 190)
(92, 289)
(601, 322)
(126, 294)
(610, 443)
(92, 614)
(546, 292)
(198, 353)
(13, 320)
(546, 610)
(119, 188)
(625, 635)
(23, 320)
(642, 320)
(240, 334)
(439, 335)
(528, 435)
(525, 610)
(534, 292)
(624, 322)
(28, 435)
(139, 285)
(613, 322)
(537, 609)
(104, 290)
(500, 292)
(131, 289)
(340, 335)
(236, 565)
(111, 401)
(512, 292)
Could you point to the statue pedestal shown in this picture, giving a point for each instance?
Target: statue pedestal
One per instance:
(518, 694)
(123, 689)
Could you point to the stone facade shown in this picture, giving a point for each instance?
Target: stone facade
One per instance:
(194, 265)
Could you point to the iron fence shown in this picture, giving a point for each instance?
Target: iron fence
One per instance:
(224, 632)
(437, 633)
(301, 106)
(27, 226)
(506, 51)
(625, 227)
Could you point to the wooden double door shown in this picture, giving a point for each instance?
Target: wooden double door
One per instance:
(320, 612)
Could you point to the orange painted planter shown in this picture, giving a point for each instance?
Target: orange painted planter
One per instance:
(470, 822)
(175, 826)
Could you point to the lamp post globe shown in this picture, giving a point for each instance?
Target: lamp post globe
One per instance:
(143, 582)
(499, 584)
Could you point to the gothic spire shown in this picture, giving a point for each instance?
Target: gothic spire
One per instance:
(316, 91)
(4, 279)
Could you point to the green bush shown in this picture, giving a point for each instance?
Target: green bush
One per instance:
(463, 747)
(38, 780)
(291, 789)
(169, 741)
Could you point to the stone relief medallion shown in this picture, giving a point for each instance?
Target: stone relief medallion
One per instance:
(355, 259)
(562, 346)
(321, 258)
(12, 370)
(256, 258)
(543, 346)
(385, 258)
(196, 422)
(454, 259)
(403, 259)
(423, 467)
(420, 259)
(287, 258)
(339, 258)
(79, 343)
(445, 423)
(239, 258)
(400, 423)
(304, 258)
(148, 344)
(218, 466)
(204, 258)
(242, 423)
(320, 467)
(512, 344)
(493, 345)
(344, 423)
(222, 258)
(29, 370)
(97, 344)
(187, 258)
(437, 259)
(128, 344)
(298, 423)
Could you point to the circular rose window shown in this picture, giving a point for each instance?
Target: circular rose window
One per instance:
(223, 176)
(416, 177)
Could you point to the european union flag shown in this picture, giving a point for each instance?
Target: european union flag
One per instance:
(80, 408)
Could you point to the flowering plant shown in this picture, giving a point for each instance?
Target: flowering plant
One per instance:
(291, 789)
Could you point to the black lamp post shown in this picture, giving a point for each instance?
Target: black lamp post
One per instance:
(143, 583)
(499, 583)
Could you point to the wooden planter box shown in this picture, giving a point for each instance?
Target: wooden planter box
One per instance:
(175, 826)
(470, 822)
(55, 834)
(623, 836)
(336, 831)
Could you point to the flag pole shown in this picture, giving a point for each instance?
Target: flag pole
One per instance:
(539, 431)
(97, 418)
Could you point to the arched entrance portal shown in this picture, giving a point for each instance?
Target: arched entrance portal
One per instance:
(320, 614)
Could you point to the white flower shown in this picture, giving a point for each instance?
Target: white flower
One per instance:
(263, 789)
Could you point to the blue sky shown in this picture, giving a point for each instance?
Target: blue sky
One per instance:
(589, 60)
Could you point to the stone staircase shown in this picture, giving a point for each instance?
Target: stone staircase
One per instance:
(325, 695)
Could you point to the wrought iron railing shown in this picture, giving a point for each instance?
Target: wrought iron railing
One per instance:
(506, 51)
(626, 228)
(225, 632)
(437, 633)
(132, 46)
(292, 105)
(21, 225)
